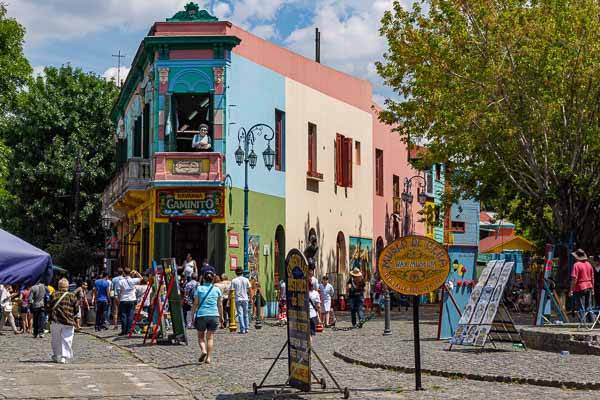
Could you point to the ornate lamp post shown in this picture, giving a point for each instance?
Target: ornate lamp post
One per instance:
(106, 223)
(247, 156)
(407, 197)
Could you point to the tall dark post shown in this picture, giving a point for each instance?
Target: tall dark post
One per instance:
(317, 45)
(417, 341)
(387, 330)
(246, 190)
(76, 195)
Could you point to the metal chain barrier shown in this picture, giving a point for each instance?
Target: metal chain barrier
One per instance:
(358, 326)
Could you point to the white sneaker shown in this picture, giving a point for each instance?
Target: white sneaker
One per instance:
(62, 360)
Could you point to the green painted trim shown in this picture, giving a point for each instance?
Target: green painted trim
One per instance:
(145, 55)
(192, 13)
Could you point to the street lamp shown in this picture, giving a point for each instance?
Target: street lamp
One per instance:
(247, 155)
(407, 197)
(106, 223)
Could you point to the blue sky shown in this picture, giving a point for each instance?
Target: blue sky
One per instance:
(86, 33)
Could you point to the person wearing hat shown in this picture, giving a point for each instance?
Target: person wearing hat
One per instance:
(356, 288)
(582, 282)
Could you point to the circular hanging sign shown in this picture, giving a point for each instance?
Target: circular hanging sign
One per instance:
(414, 265)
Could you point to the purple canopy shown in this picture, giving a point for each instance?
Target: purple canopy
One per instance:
(22, 263)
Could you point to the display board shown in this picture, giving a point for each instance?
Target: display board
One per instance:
(296, 280)
(457, 291)
(479, 314)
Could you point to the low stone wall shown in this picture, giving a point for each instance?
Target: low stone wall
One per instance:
(557, 340)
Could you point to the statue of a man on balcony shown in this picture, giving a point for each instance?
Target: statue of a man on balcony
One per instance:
(201, 140)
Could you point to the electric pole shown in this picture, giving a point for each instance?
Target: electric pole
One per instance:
(119, 56)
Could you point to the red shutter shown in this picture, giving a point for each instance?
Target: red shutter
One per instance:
(347, 162)
(339, 160)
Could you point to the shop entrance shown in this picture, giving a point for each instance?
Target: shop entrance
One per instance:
(190, 237)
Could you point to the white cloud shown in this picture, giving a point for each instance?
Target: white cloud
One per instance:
(264, 31)
(350, 39)
(38, 70)
(221, 10)
(111, 74)
(259, 9)
(67, 19)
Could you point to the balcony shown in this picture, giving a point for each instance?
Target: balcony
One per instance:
(137, 174)
(204, 167)
(134, 175)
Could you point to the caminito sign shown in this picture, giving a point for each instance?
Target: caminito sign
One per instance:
(414, 265)
(203, 203)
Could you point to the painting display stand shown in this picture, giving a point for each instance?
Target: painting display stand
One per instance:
(282, 393)
(486, 318)
(161, 318)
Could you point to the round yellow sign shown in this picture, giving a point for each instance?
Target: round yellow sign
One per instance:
(414, 265)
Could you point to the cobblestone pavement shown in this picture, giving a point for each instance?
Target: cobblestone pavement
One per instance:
(99, 370)
(240, 360)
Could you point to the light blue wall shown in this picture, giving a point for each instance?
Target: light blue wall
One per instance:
(439, 186)
(466, 211)
(253, 94)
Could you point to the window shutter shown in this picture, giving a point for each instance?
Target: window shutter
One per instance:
(348, 162)
(339, 160)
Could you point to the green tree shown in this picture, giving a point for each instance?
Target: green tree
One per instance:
(508, 93)
(62, 141)
(15, 70)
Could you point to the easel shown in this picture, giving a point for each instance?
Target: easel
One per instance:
(502, 327)
(280, 394)
(299, 342)
(547, 296)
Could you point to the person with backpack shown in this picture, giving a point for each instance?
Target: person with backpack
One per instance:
(208, 315)
(356, 288)
(189, 292)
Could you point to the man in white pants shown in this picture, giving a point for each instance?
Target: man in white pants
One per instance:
(63, 307)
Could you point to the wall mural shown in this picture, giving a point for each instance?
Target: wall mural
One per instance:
(360, 250)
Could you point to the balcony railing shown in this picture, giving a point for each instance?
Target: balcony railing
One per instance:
(137, 174)
(134, 175)
(206, 167)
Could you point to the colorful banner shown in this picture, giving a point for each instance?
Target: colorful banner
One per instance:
(414, 265)
(190, 203)
(296, 279)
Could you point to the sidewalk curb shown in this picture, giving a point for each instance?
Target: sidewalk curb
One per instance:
(475, 377)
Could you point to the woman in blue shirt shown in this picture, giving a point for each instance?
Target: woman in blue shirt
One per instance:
(208, 315)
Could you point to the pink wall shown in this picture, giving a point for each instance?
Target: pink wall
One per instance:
(329, 81)
(395, 162)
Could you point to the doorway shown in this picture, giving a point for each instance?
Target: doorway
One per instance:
(190, 237)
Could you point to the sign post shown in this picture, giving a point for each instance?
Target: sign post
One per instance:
(414, 265)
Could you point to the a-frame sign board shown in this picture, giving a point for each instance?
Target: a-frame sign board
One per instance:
(485, 318)
(298, 343)
(548, 299)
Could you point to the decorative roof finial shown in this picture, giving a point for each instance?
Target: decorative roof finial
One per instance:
(192, 13)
